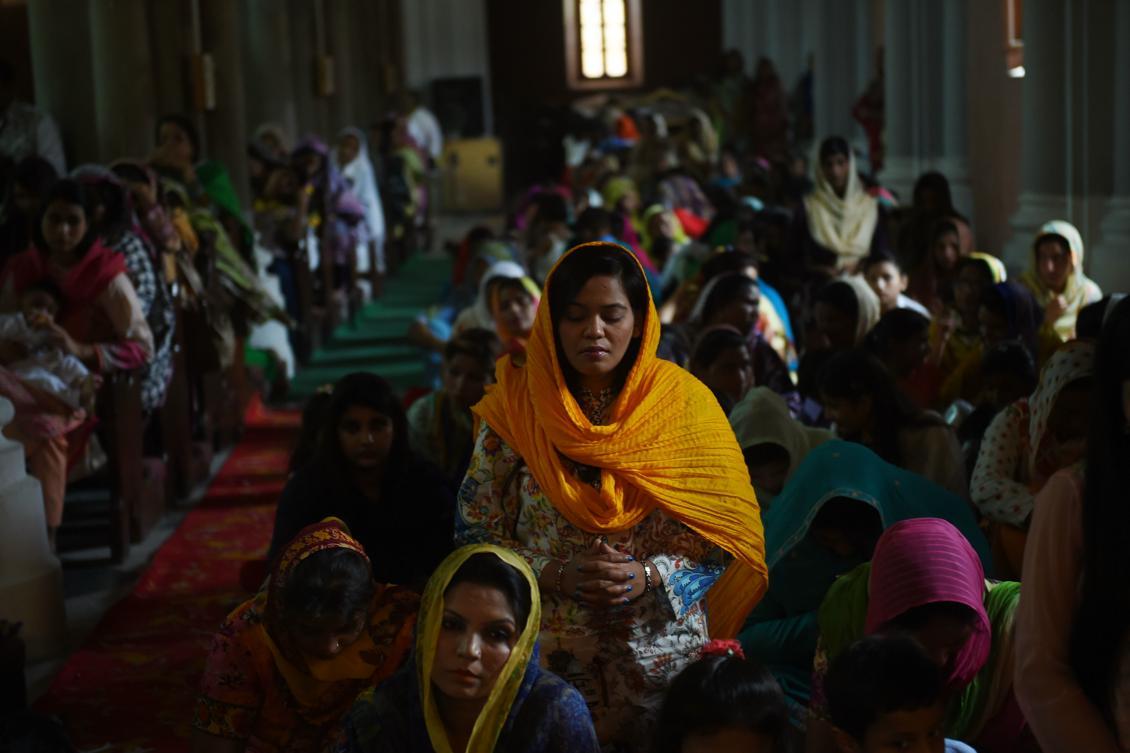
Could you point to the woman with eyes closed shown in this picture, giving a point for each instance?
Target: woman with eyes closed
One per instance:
(475, 684)
(397, 505)
(615, 475)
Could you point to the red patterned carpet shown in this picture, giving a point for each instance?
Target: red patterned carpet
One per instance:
(133, 683)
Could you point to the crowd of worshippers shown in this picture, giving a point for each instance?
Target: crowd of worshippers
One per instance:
(712, 460)
(720, 450)
(110, 270)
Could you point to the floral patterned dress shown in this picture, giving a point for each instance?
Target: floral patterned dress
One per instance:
(621, 659)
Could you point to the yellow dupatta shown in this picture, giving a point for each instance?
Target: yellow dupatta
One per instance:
(493, 717)
(667, 445)
(845, 225)
(1080, 289)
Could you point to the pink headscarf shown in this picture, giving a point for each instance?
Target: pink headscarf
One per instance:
(925, 561)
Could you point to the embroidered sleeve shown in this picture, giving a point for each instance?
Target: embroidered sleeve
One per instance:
(685, 580)
(489, 501)
(994, 488)
(230, 693)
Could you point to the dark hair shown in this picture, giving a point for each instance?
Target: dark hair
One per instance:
(936, 182)
(916, 618)
(48, 286)
(309, 435)
(486, 569)
(856, 519)
(725, 290)
(35, 174)
(113, 199)
(68, 191)
(371, 391)
(1089, 322)
(499, 284)
(330, 587)
(833, 146)
(131, 172)
(182, 122)
(880, 675)
(977, 262)
(594, 222)
(1019, 308)
(1103, 617)
(841, 296)
(940, 228)
(895, 326)
(1012, 358)
(551, 207)
(726, 262)
(712, 344)
(574, 271)
(481, 345)
(856, 373)
(881, 256)
(717, 693)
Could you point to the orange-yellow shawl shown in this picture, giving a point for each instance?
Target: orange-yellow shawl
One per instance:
(667, 445)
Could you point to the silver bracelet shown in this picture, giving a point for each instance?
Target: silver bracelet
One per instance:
(647, 576)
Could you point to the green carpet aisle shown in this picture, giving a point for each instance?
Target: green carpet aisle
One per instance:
(377, 341)
(131, 685)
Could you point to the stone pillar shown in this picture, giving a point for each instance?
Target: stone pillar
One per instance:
(311, 109)
(226, 126)
(1110, 258)
(340, 16)
(840, 76)
(170, 34)
(123, 79)
(926, 107)
(31, 578)
(64, 81)
(267, 62)
(1044, 188)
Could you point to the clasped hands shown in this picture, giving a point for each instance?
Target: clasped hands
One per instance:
(601, 576)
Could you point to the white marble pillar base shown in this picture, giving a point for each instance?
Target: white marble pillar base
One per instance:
(1109, 263)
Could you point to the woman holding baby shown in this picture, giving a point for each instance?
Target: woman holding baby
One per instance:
(79, 309)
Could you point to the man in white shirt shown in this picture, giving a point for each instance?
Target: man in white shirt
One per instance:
(24, 130)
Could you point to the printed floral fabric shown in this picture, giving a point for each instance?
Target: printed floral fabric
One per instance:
(621, 659)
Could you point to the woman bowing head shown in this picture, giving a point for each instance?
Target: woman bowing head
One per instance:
(617, 478)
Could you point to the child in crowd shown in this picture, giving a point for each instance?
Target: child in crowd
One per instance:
(889, 281)
(42, 363)
(885, 694)
(722, 703)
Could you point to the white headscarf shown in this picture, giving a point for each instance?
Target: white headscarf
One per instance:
(845, 225)
(362, 182)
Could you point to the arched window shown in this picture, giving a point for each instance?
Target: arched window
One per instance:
(603, 44)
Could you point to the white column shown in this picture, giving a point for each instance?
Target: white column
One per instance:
(926, 112)
(1110, 258)
(267, 61)
(31, 578)
(1044, 188)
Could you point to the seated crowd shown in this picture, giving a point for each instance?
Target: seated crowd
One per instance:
(714, 455)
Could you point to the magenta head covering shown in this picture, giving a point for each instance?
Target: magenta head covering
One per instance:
(925, 561)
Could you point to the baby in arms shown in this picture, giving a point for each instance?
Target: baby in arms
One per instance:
(43, 363)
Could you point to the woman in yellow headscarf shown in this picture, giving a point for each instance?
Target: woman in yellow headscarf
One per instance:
(286, 665)
(1055, 276)
(475, 684)
(618, 478)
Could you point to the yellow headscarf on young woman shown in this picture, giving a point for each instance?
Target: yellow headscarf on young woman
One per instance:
(667, 445)
(843, 225)
(1080, 289)
(484, 735)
